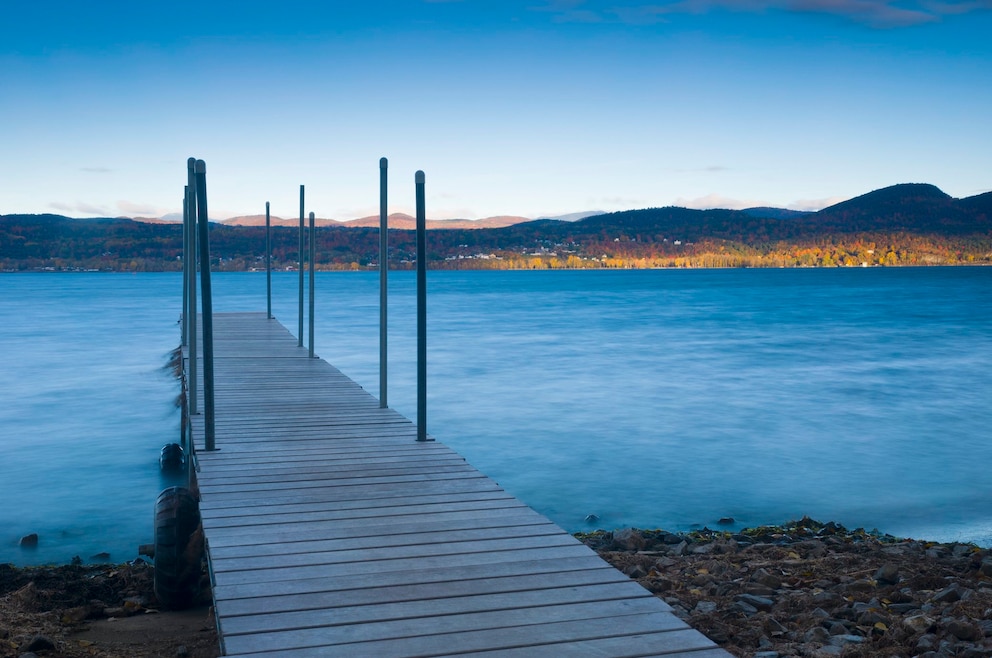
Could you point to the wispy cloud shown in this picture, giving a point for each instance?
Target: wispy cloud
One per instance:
(121, 209)
(718, 201)
(815, 204)
(875, 13)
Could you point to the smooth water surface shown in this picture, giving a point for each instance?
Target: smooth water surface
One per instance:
(647, 398)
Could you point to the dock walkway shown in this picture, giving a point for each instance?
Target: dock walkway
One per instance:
(330, 531)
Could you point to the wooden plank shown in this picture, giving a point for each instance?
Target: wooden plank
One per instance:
(330, 531)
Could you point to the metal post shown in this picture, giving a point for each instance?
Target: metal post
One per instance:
(268, 262)
(421, 310)
(300, 341)
(383, 275)
(185, 314)
(208, 318)
(313, 253)
(191, 328)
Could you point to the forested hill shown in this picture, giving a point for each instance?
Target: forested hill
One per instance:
(911, 224)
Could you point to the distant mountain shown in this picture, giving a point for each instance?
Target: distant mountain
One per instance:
(776, 213)
(908, 224)
(395, 221)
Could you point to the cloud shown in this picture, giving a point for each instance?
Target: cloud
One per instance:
(81, 208)
(95, 170)
(121, 209)
(815, 204)
(718, 201)
(874, 13)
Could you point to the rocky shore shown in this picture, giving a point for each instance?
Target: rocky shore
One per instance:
(802, 589)
(815, 589)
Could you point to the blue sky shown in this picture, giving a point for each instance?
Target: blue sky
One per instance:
(517, 107)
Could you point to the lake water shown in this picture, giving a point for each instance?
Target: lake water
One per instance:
(648, 398)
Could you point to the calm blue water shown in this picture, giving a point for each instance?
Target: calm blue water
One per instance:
(655, 398)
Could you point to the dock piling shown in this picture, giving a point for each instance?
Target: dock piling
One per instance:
(421, 309)
(208, 327)
(383, 275)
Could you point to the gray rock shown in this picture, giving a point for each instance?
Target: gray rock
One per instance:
(828, 651)
(927, 642)
(629, 539)
(918, 623)
(817, 634)
(759, 602)
(705, 607)
(767, 579)
(888, 574)
(635, 571)
(951, 594)
(680, 548)
(964, 630)
(29, 541)
(767, 654)
(844, 640)
(746, 608)
(837, 628)
(986, 626)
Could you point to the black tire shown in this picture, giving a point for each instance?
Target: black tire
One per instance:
(172, 457)
(178, 548)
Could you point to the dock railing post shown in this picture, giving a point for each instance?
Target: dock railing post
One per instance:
(191, 327)
(300, 341)
(268, 263)
(313, 253)
(421, 309)
(383, 276)
(185, 314)
(208, 321)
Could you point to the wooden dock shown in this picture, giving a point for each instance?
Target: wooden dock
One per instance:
(332, 532)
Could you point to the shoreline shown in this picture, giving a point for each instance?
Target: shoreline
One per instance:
(804, 588)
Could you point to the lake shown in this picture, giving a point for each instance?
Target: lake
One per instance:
(650, 398)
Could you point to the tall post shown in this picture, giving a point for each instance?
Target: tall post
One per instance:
(313, 253)
(208, 317)
(421, 309)
(268, 262)
(300, 341)
(383, 275)
(191, 328)
(185, 313)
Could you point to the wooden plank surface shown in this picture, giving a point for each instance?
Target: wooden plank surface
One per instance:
(331, 531)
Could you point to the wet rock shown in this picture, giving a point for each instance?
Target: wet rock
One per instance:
(29, 541)
(726, 520)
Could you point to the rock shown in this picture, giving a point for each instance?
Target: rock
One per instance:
(949, 594)
(726, 520)
(828, 651)
(39, 643)
(986, 626)
(844, 640)
(918, 623)
(705, 607)
(29, 541)
(680, 548)
(758, 602)
(838, 628)
(766, 654)
(629, 539)
(888, 574)
(926, 642)
(817, 634)
(590, 518)
(986, 568)
(964, 630)
(635, 571)
(101, 556)
(703, 549)
(744, 607)
(767, 579)
(182, 651)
